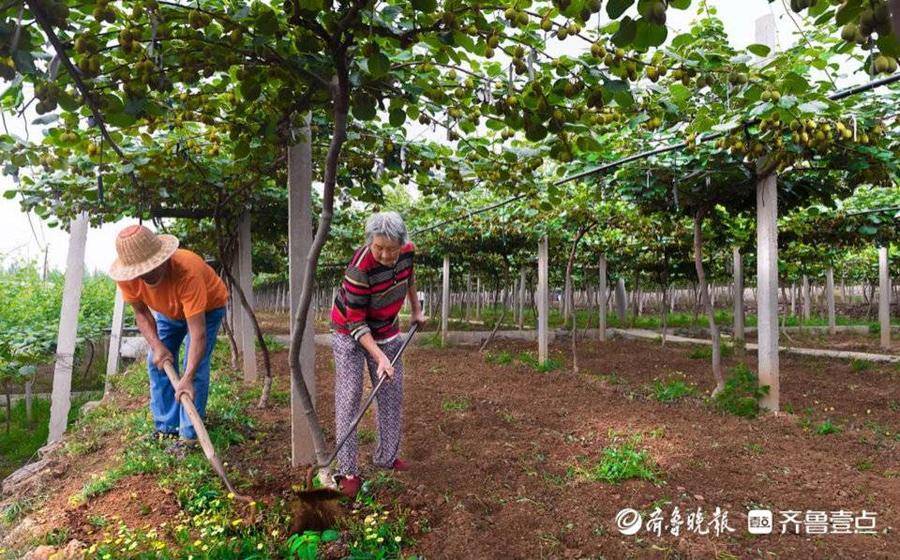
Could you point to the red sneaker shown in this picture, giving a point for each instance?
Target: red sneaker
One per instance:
(400, 465)
(349, 485)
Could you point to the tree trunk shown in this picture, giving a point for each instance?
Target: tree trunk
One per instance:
(571, 293)
(704, 297)
(494, 330)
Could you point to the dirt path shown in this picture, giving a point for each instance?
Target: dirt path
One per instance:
(494, 447)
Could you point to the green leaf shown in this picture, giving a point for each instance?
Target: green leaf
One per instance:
(397, 117)
(759, 49)
(266, 22)
(627, 30)
(10, 194)
(616, 8)
(241, 149)
(424, 5)
(312, 5)
(680, 4)
(330, 535)
(364, 107)
(378, 64)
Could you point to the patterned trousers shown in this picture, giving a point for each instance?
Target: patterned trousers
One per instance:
(349, 357)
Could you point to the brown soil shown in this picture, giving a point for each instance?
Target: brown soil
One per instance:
(490, 481)
(840, 341)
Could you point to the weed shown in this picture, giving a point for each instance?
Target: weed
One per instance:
(741, 393)
(858, 366)
(672, 390)
(500, 358)
(450, 405)
(827, 427)
(57, 537)
(16, 510)
(754, 448)
(864, 465)
(366, 435)
(530, 360)
(621, 462)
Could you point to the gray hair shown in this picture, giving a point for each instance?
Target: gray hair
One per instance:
(386, 224)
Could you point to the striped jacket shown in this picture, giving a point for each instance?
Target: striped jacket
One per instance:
(371, 295)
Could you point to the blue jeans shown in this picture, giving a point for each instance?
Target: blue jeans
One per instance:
(168, 415)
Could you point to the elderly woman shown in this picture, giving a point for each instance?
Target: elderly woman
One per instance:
(366, 331)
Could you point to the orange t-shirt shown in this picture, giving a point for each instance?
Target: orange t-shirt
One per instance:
(190, 287)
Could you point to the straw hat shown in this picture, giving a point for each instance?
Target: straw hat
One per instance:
(140, 251)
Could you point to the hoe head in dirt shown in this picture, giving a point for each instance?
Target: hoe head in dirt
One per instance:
(317, 509)
(202, 434)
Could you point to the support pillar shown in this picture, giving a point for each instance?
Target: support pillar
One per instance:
(829, 298)
(767, 282)
(601, 294)
(247, 334)
(300, 236)
(445, 301)
(738, 270)
(61, 396)
(520, 318)
(115, 341)
(884, 298)
(543, 305)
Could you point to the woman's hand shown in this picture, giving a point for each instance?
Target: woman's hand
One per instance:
(419, 317)
(384, 366)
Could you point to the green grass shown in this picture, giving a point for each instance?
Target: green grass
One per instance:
(827, 427)
(620, 462)
(530, 359)
(741, 394)
(500, 358)
(24, 439)
(455, 405)
(704, 352)
(858, 366)
(672, 390)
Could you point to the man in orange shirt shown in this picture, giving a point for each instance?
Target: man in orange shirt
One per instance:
(188, 299)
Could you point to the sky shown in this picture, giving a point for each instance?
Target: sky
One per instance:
(21, 240)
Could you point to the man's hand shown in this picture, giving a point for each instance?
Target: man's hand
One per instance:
(161, 355)
(419, 318)
(384, 366)
(185, 387)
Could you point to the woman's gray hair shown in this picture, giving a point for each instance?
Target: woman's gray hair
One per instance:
(386, 224)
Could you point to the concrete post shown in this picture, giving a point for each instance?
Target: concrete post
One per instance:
(60, 398)
(245, 270)
(829, 297)
(543, 305)
(804, 295)
(601, 294)
(767, 282)
(300, 236)
(445, 301)
(115, 340)
(738, 270)
(884, 298)
(520, 319)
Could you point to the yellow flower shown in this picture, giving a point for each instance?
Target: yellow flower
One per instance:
(197, 542)
(259, 546)
(381, 539)
(231, 495)
(397, 539)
